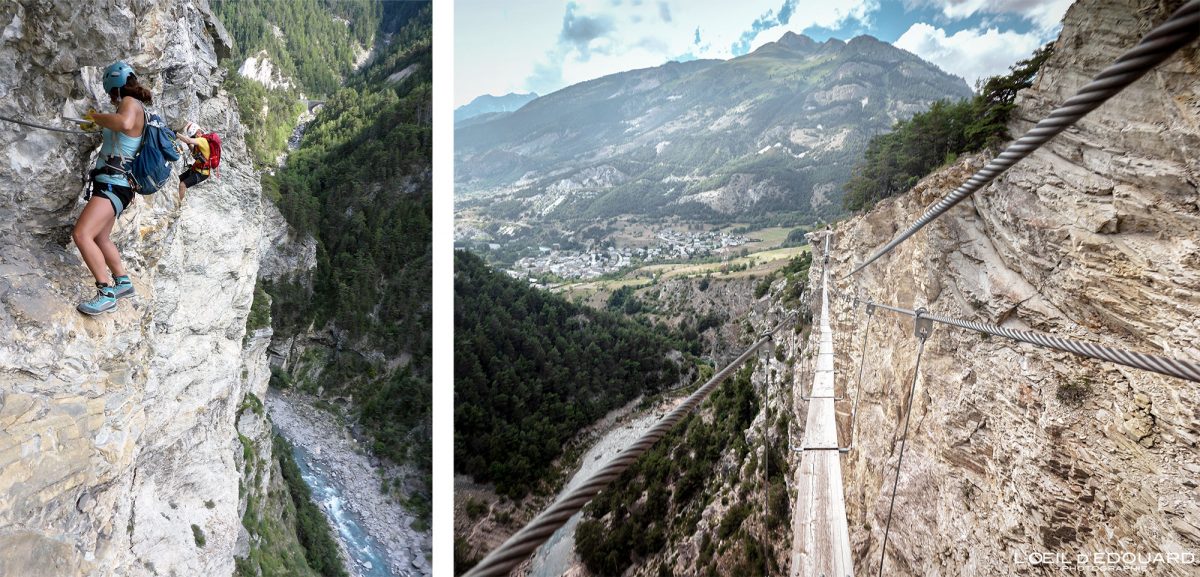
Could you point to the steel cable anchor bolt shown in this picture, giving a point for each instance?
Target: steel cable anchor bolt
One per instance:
(923, 325)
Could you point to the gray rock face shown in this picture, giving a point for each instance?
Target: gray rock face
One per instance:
(284, 250)
(1017, 451)
(117, 432)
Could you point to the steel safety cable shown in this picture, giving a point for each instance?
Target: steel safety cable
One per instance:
(808, 363)
(855, 321)
(801, 373)
(1180, 29)
(508, 555)
(862, 360)
(922, 330)
(848, 339)
(1163, 365)
(42, 126)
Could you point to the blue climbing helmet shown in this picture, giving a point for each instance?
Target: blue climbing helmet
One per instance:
(116, 74)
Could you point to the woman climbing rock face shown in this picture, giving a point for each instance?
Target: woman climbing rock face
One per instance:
(109, 193)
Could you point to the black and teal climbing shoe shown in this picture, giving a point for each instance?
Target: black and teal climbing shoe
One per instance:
(123, 286)
(106, 300)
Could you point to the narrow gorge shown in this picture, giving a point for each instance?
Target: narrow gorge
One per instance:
(139, 443)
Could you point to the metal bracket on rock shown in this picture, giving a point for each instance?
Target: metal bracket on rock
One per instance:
(923, 325)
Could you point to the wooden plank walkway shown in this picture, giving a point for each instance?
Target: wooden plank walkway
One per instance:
(820, 537)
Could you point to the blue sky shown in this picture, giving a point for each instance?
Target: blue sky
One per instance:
(544, 45)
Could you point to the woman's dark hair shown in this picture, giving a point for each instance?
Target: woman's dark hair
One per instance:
(131, 88)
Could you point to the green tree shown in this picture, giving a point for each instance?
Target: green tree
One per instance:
(532, 369)
(896, 161)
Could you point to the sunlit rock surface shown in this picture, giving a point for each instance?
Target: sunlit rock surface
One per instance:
(117, 433)
(1017, 452)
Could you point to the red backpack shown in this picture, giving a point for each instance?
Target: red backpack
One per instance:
(214, 153)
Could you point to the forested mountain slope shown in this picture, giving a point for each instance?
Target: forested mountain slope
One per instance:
(774, 130)
(288, 50)
(532, 369)
(360, 184)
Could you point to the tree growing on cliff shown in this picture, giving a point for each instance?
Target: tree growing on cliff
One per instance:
(896, 161)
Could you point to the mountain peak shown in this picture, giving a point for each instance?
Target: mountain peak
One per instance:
(796, 41)
(788, 44)
(865, 39)
(866, 44)
(489, 103)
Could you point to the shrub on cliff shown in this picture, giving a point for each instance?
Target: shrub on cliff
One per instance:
(895, 161)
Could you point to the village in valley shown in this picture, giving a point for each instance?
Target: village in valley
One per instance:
(607, 258)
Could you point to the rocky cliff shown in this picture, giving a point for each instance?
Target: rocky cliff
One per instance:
(118, 448)
(1018, 453)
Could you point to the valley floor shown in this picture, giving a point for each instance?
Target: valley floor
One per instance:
(358, 480)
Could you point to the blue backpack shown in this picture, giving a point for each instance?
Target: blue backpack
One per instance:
(151, 166)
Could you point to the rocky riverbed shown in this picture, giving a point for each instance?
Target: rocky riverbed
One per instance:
(348, 469)
(557, 556)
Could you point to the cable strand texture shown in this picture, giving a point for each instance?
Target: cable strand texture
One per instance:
(500, 561)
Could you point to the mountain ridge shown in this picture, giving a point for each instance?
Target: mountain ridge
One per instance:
(487, 104)
(690, 138)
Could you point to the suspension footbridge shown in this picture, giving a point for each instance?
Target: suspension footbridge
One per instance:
(821, 543)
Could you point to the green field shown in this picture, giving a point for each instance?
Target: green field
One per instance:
(766, 258)
(767, 237)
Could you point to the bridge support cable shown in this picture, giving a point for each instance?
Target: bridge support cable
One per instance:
(1172, 367)
(862, 361)
(923, 328)
(521, 545)
(1179, 30)
(1178, 368)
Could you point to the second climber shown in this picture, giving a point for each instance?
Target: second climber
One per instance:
(204, 153)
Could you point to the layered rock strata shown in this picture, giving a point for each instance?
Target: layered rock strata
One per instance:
(1020, 456)
(118, 448)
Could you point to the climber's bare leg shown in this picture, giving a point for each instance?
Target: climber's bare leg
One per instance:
(97, 216)
(112, 257)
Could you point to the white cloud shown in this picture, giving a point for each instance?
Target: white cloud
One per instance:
(602, 37)
(970, 53)
(1045, 14)
(544, 45)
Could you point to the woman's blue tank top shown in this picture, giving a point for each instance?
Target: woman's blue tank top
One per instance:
(116, 143)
